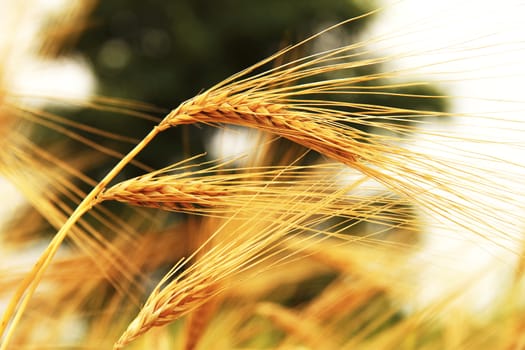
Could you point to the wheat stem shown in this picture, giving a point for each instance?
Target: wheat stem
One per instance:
(28, 286)
(197, 323)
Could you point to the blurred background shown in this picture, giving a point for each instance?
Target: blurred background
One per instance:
(163, 53)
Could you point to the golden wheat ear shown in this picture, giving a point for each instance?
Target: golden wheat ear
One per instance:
(235, 246)
(224, 192)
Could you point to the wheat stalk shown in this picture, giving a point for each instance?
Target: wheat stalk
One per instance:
(302, 127)
(197, 323)
(305, 330)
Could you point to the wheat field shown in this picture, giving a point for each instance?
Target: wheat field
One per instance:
(340, 223)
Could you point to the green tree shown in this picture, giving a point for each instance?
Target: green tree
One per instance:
(164, 52)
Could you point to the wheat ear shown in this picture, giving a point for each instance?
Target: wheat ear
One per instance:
(175, 196)
(163, 306)
(239, 246)
(222, 107)
(243, 194)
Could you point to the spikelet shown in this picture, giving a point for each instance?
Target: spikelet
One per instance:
(229, 192)
(176, 196)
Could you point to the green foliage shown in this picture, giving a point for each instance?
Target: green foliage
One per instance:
(164, 52)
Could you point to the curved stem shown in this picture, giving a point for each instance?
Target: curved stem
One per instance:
(28, 286)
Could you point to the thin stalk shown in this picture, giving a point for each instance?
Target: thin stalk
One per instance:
(28, 286)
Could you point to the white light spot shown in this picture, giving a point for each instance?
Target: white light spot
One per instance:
(475, 49)
(67, 78)
(233, 142)
(12, 199)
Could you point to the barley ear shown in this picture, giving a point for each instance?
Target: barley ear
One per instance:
(297, 126)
